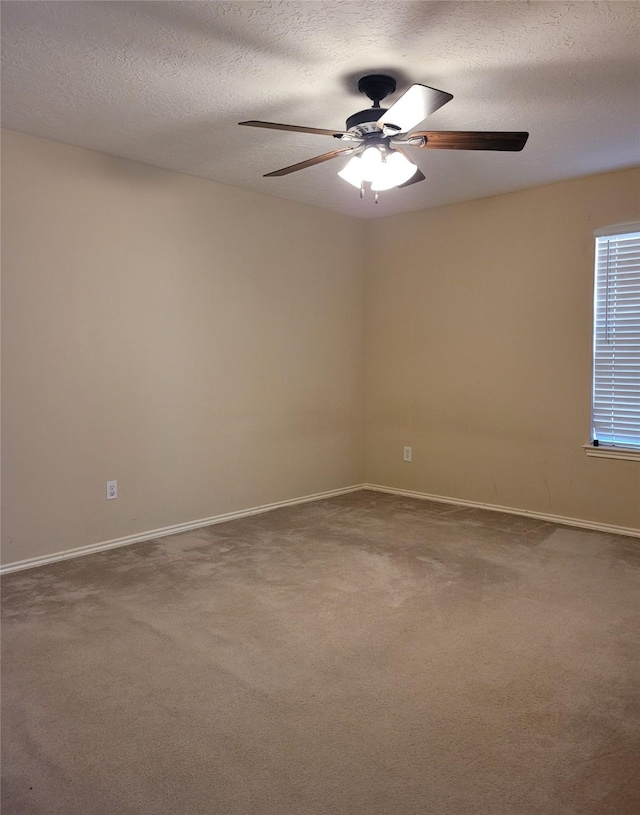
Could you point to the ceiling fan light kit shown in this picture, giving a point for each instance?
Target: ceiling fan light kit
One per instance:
(378, 137)
(382, 170)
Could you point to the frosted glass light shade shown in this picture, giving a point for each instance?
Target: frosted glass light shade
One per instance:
(395, 170)
(352, 172)
(383, 173)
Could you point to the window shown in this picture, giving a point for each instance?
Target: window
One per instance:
(616, 346)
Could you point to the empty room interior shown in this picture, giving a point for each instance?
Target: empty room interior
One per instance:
(320, 408)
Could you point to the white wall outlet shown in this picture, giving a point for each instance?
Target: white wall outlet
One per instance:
(408, 453)
(112, 490)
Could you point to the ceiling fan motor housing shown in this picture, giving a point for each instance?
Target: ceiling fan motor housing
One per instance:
(364, 117)
(376, 87)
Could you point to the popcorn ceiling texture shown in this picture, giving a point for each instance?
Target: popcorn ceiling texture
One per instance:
(165, 83)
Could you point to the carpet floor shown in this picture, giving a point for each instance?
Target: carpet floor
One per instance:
(367, 654)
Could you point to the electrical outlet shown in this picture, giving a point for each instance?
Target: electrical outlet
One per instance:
(112, 490)
(406, 456)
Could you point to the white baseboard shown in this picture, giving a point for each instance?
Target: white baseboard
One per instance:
(30, 563)
(542, 516)
(164, 531)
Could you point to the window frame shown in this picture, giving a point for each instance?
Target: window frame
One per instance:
(596, 448)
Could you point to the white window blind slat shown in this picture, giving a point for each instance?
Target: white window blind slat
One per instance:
(616, 345)
(623, 260)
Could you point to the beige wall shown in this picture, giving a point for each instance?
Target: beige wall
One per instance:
(479, 351)
(201, 344)
(204, 346)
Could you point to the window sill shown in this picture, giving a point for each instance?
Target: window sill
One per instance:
(612, 452)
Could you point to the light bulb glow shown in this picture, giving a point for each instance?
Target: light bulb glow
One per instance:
(371, 162)
(395, 170)
(384, 172)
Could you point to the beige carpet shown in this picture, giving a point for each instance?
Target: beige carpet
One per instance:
(365, 654)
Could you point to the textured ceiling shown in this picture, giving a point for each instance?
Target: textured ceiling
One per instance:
(165, 83)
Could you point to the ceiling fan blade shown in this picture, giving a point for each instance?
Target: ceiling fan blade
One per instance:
(413, 107)
(309, 162)
(471, 140)
(417, 176)
(296, 128)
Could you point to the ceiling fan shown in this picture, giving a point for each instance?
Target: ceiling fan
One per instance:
(378, 137)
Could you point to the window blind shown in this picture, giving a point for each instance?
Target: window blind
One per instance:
(616, 354)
